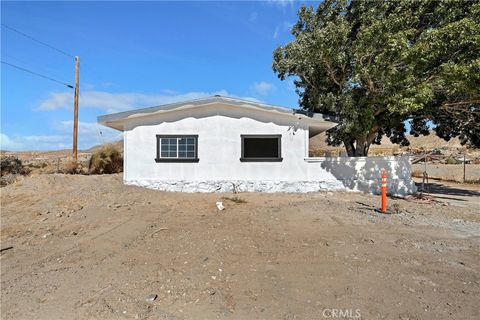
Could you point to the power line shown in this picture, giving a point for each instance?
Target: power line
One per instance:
(28, 64)
(36, 40)
(90, 71)
(37, 74)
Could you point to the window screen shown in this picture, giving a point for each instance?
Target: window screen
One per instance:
(261, 148)
(176, 148)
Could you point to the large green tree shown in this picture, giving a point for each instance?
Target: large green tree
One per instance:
(377, 64)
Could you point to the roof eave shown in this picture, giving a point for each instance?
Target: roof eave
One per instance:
(117, 120)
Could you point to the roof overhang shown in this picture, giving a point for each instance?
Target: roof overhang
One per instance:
(118, 120)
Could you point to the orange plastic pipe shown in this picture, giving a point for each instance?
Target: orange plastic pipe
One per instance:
(384, 191)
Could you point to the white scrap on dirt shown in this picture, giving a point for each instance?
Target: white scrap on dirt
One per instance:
(151, 298)
(220, 205)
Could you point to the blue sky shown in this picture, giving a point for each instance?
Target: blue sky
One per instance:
(133, 55)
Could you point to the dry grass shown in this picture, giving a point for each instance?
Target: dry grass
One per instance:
(472, 181)
(235, 199)
(12, 165)
(106, 160)
(11, 168)
(417, 173)
(71, 167)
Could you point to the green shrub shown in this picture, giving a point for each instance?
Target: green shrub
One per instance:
(38, 165)
(106, 160)
(452, 160)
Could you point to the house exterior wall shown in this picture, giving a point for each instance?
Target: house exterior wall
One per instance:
(219, 131)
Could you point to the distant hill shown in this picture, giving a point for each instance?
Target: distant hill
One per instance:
(430, 142)
(54, 154)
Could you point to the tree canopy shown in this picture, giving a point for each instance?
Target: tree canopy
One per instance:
(377, 64)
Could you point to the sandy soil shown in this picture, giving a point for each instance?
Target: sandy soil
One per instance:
(88, 247)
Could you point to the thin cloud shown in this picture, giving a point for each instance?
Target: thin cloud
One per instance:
(7, 143)
(262, 88)
(285, 27)
(89, 134)
(281, 3)
(276, 33)
(32, 142)
(115, 102)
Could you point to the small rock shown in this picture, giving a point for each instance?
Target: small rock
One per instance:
(46, 235)
(151, 298)
(74, 233)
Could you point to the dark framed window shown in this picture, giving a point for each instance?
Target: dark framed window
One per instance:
(177, 148)
(261, 147)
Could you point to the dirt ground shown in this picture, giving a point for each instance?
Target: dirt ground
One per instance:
(88, 247)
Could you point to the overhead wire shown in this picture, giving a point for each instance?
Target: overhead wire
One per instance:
(38, 41)
(88, 70)
(32, 65)
(37, 74)
(42, 43)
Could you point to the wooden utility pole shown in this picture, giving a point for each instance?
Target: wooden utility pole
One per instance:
(75, 110)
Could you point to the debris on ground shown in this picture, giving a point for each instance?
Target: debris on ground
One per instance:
(219, 205)
(151, 297)
(6, 248)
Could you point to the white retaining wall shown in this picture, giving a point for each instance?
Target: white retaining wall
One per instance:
(364, 173)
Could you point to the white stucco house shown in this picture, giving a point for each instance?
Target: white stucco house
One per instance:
(221, 144)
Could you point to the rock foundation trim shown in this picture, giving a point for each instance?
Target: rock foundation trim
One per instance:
(239, 186)
(395, 187)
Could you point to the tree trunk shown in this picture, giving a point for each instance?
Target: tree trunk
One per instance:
(359, 146)
(350, 146)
